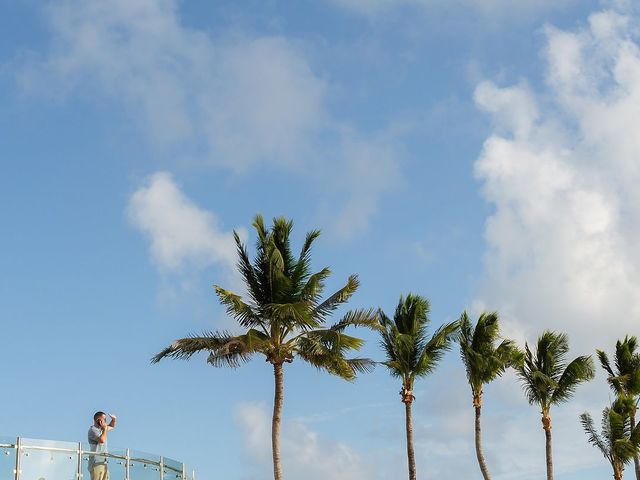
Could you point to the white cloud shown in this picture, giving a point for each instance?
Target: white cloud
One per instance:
(236, 101)
(305, 454)
(181, 233)
(562, 174)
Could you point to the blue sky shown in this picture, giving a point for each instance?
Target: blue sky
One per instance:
(476, 152)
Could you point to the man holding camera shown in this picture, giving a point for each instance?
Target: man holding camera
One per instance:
(97, 437)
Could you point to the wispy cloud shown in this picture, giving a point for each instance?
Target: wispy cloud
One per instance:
(366, 168)
(305, 453)
(236, 101)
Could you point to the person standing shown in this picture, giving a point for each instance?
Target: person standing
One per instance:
(97, 437)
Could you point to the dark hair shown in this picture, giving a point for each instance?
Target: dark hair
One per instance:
(98, 414)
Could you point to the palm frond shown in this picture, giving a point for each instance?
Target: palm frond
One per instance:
(604, 362)
(435, 348)
(387, 334)
(486, 332)
(635, 435)
(466, 330)
(361, 365)
(314, 285)
(185, 348)
(238, 309)
(231, 358)
(365, 317)
(509, 355)
(338, 298)
(412, 314)
(303, 267)
(625, 380)
(325, 351)
(396, 368)
(592, 435)
(240, 349)
(291, 315)
(578, 371)
(281, 231)
(332, 340)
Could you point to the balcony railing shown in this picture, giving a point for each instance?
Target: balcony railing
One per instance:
(31, 459)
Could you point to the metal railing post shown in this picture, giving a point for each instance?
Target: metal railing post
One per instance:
(126, 465)
(79, 472)
(18, 453)
(161, 467)
(184, 472)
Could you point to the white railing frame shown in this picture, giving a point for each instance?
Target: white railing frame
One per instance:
(21, 447)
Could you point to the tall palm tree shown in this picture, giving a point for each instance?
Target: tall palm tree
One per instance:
(548, 379)
(620, 437)
(410, 354)
(625, 380)
(283, 317)
(484, 362)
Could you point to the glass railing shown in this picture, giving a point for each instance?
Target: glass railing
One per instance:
(32, 459)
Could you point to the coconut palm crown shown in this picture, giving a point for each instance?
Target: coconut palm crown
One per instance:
(619, 439)
(283, 317)
(549, 379)
(625, 379)
(484, 361)
(410, 353)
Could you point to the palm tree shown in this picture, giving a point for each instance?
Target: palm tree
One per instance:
(620, 437)
(283, 317)
(548, 379)
(625, 380)
(484, 362)
(410, 354)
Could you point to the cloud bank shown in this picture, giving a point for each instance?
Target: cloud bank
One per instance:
(561, 169)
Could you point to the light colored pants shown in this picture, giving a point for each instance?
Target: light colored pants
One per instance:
(99, 472)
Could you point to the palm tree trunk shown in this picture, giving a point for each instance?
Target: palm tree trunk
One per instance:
(411, 457)
(276, 420)
(477, 403)
(546, 425)
(636, 461)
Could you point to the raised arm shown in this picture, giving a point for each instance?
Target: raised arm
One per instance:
(112, 423)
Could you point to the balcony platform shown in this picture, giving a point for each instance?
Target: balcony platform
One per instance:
(34, 459)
